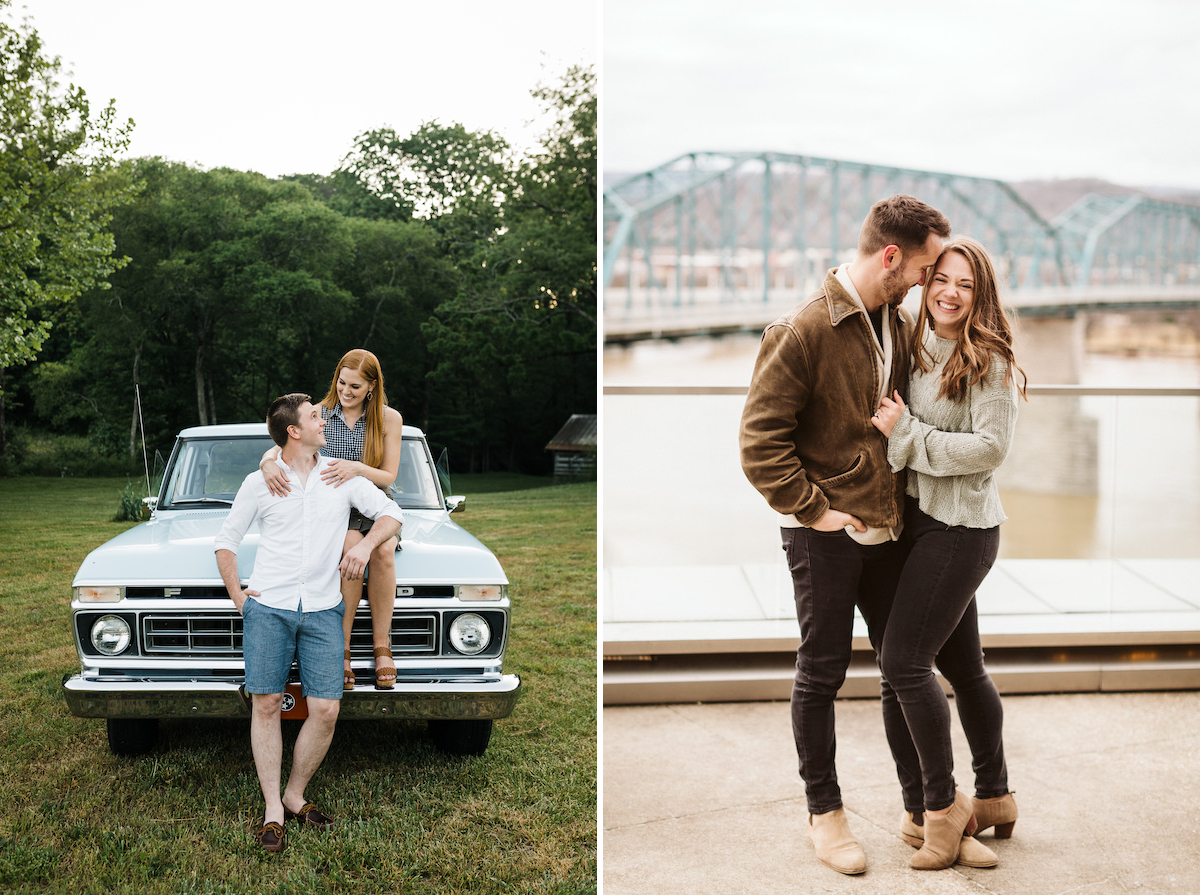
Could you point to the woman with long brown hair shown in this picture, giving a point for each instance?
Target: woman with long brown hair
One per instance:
(952, 435)
(363, 435)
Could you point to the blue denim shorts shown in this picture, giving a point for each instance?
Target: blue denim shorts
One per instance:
(272, 638)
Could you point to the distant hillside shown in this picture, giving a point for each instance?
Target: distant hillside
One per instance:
(1051, 197)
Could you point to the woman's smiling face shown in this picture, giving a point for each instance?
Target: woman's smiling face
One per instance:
(951, 295)
(352, 388)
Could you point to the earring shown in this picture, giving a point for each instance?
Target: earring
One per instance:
(369, 395)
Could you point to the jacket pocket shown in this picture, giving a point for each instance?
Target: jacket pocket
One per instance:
(855, 468)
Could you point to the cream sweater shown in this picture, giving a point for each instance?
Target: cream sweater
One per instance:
(952, 448)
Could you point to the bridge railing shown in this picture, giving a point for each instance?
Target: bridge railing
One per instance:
(716, 233)
(744, 222)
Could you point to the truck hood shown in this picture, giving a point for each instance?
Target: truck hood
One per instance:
(175, 548)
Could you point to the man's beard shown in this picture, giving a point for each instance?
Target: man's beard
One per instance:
(895, 288)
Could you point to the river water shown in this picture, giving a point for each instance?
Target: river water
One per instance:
(1093, 477)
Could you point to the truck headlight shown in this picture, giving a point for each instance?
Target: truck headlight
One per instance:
(99, 594)
(111, 635)
(475, 593)
(470, 633)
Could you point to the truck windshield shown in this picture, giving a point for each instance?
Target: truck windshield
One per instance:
(209, 471)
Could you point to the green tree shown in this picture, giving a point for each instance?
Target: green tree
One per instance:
(121, 327)
(59, 183)
(230, 299)
(471, 274)
(346, 194)
(397, 272)
(456, 180)
(517, 342)
(249, 281)
(398, 276)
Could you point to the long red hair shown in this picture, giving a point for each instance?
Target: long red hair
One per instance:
(366, 365)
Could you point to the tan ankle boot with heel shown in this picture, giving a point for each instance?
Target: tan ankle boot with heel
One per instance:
(971, 852)
(944, 836)
(1000, 812)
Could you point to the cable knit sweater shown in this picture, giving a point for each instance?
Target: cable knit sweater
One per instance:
(952, 448)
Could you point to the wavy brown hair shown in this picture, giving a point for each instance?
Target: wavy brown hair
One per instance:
(366, 365)
(985, 335)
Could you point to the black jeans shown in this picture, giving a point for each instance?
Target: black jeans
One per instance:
(934, 619)
(831, 574)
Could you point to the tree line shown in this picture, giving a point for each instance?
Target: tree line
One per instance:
(159, 295)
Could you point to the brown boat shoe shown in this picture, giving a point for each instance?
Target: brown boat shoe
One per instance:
(309, 816)
(271, 837)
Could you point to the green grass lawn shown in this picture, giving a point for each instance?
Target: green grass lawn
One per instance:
(487, 482)
(521, 818)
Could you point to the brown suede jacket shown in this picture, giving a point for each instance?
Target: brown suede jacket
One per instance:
(807, 441)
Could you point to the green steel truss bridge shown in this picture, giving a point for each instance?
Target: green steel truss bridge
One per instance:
(716, 242)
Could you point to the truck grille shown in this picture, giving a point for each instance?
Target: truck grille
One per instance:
(221, 635)
(202, 635)
(411, 635)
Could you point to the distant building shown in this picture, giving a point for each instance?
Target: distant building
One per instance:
(574, 449)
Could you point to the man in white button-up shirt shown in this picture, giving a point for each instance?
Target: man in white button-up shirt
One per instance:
(292, 606)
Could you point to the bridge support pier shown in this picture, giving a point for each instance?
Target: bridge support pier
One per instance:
(1057, 450)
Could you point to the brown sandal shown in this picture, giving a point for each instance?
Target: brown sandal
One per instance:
(347, 677)
(385, 679)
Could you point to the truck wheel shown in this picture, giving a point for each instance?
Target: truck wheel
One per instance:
(132, 736)
(461, 737)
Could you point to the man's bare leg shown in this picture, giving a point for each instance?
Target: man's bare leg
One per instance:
(311, 745)
(266, 742)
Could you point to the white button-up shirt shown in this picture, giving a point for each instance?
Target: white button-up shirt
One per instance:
(301, 535)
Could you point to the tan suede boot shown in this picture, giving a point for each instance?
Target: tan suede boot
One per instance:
(943, 836)
(971, 852)
(835, 845)
(1000, 812)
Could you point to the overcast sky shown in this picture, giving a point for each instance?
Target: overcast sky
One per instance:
(284, 86)
(1012, 89)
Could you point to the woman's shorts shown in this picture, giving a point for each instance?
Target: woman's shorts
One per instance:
(359, 522)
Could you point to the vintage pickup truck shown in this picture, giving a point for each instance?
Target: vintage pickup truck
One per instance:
(158, 636)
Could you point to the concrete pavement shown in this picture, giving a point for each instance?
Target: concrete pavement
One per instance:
(705, 799)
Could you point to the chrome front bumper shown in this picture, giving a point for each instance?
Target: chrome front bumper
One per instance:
(454, 699)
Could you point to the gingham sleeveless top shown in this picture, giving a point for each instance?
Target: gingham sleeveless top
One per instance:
(341, 441)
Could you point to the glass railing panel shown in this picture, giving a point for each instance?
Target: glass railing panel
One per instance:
(1102, 482)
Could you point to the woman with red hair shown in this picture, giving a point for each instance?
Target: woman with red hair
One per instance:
(363, 435)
